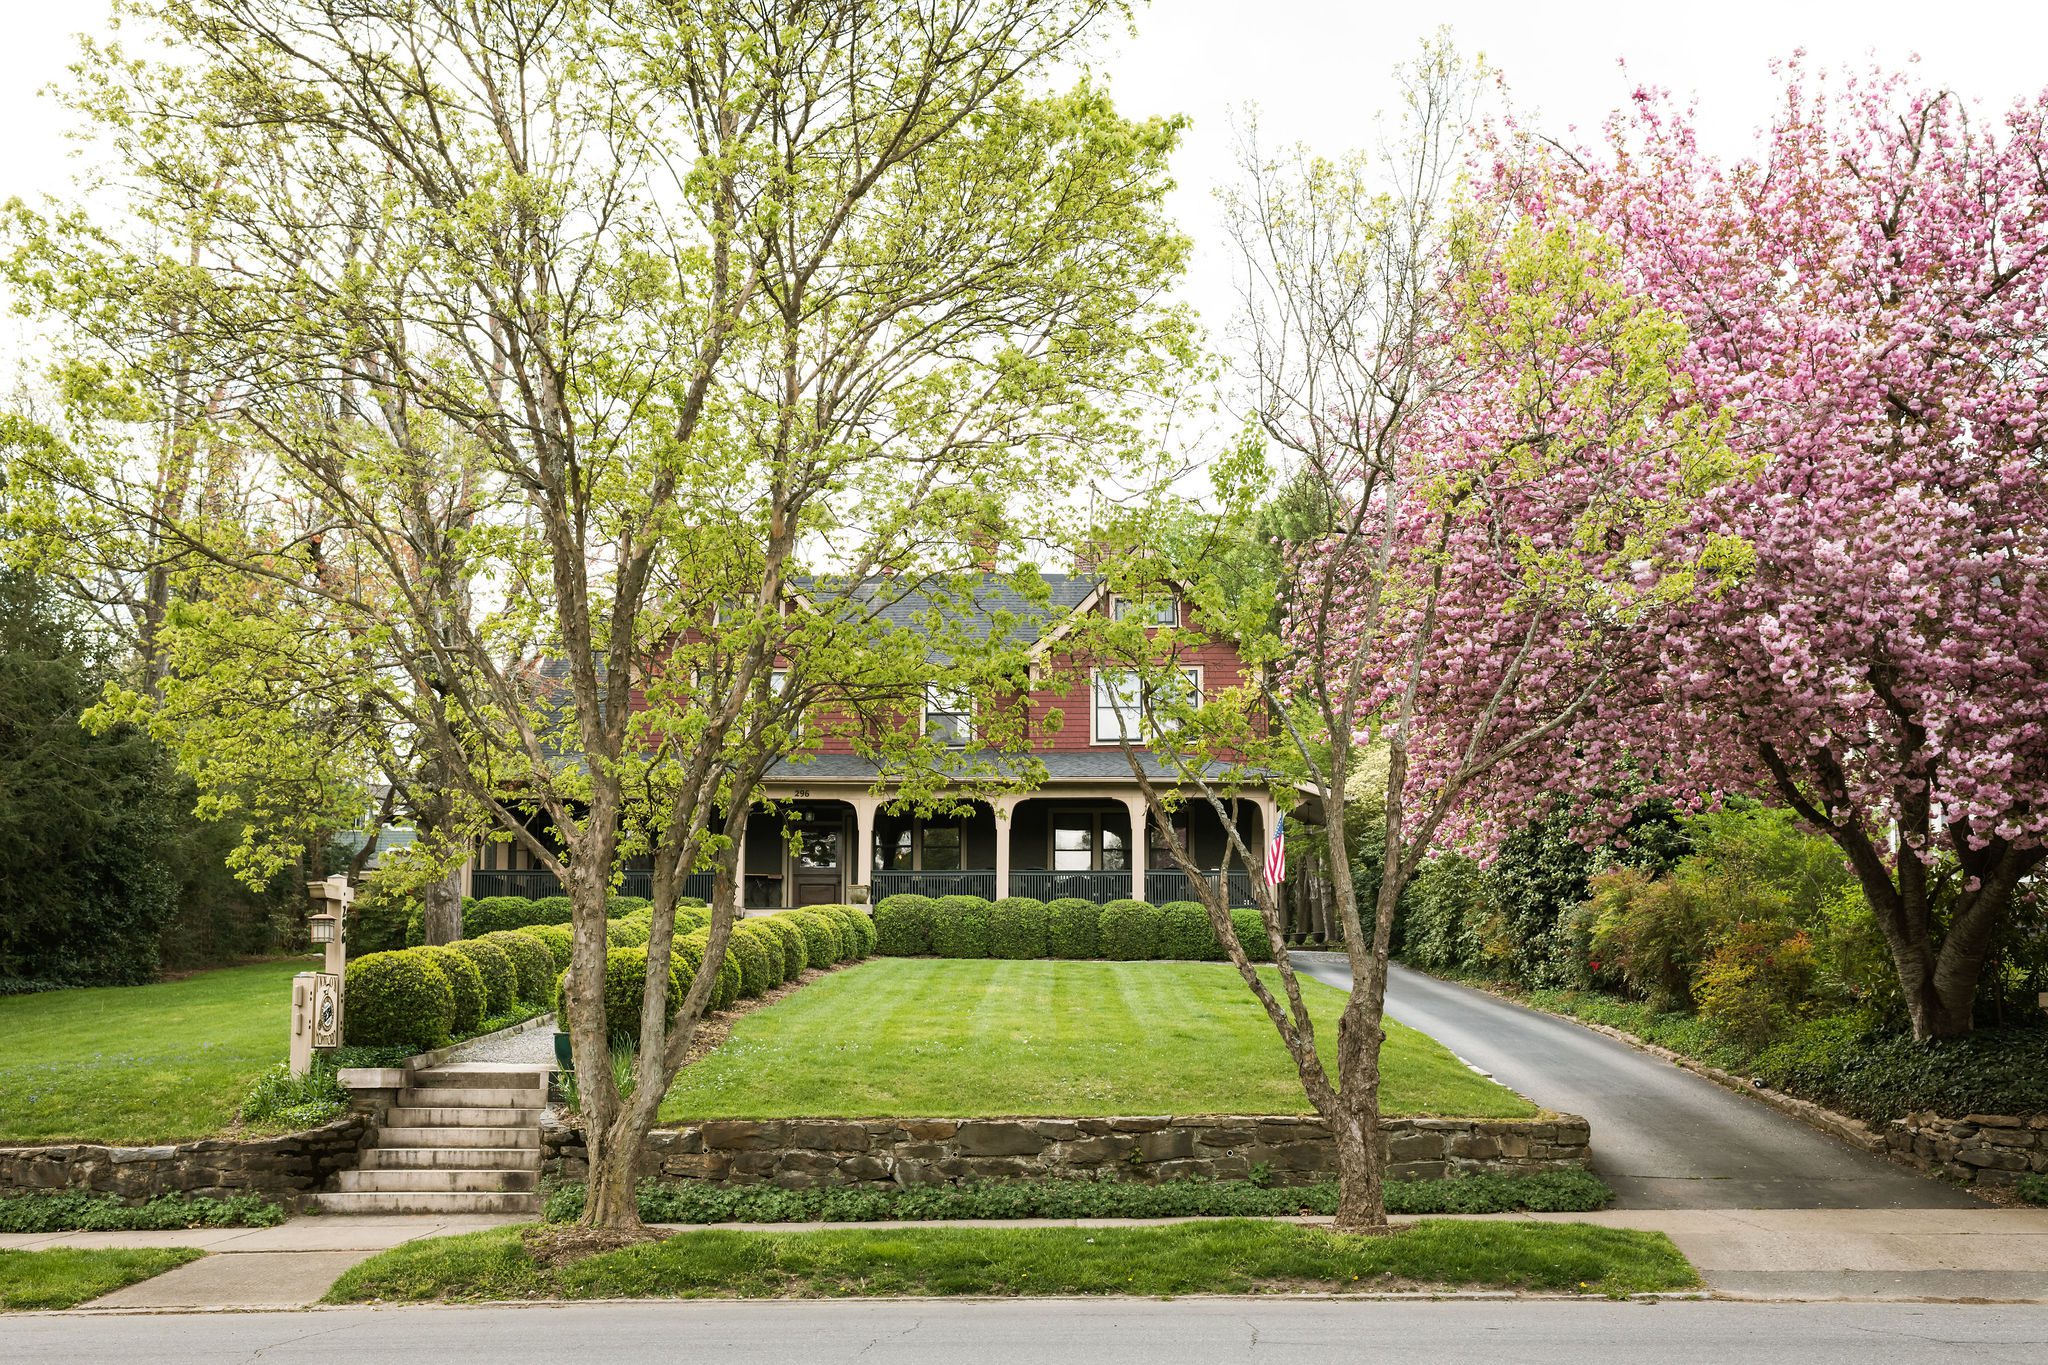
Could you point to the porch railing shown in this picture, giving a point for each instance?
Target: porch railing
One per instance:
(966, 882)
(1171, 884)
(1099, 887)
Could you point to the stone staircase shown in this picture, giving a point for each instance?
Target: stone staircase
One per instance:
(462, 1138)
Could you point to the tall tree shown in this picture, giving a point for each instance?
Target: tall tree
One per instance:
(1864, 296)
(718, 315)
(1493, 505)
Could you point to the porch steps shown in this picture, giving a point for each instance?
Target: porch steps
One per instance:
(462, 1138)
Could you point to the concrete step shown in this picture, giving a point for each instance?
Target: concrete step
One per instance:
(455, 1135)
(422, 1201)
(443, 1116)
(473, 1181)
(483, 1076)
(451, 1158)
(472, 1097)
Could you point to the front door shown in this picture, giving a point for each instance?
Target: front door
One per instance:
(816, 867)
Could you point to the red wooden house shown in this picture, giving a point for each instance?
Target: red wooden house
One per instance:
(828, 832)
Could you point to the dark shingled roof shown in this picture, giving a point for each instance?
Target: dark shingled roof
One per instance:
(976, 603)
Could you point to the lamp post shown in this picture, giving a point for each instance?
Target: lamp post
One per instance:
(316, 996)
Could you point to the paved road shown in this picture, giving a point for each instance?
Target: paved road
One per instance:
(1130, 1332)
(1663, 1137)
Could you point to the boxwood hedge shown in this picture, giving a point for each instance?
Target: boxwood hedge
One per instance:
(903, 925)
(501, 978)
(960, 927)
(397, 999)
(466, 985)
(1185, 933)
(770, 945)
(1073, 928)
(690, 948)
(532, 963)
(625, 991)
(555, 938)
(795, 947)
(1017, 928)
(1131, 931)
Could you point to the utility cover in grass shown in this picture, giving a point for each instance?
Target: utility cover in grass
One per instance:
(938, 1038)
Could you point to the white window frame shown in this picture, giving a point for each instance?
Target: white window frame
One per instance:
(962, 708)
(1193, 672)
(1152, 611)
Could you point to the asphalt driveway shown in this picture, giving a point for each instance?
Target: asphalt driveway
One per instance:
(1663, 1137)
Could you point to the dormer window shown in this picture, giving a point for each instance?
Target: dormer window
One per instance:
(1153, 611)
(948, 716)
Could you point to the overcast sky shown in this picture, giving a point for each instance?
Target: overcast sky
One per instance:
(1318, 69)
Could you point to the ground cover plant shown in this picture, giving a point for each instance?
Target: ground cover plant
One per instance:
(64, 1277)
(135, 1064)
(1231, 1256)
(698, 1201)
(81, 1210)
(945, 1039)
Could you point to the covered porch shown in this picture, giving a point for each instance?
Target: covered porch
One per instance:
(1065, 841)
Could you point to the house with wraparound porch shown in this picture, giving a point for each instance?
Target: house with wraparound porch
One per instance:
(831, 828)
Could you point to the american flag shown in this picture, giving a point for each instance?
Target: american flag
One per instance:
(1276, 852)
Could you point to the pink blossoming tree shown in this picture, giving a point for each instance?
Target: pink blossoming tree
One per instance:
(1866, 300)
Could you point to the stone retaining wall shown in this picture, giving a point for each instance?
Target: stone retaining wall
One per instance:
(279, 1168)
(1978, 1149)
(801, 1153)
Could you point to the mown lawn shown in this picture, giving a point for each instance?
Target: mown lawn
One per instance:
(1231, 1256)
(941, 1038)
(136, 1064)
(64, 1277)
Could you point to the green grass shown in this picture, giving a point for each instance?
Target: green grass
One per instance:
(136, 1064)
(700, 1201)
(1234, 1256)
(936, 1038)
(67, 1276)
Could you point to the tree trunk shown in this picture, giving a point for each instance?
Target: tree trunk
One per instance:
(1361, 1198)
(610, 1200)
(441, 908)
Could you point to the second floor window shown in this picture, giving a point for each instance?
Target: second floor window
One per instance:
(948, 717)
(1120, 705)
(1153, 611)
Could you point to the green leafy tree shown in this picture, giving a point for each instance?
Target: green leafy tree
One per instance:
(602, 359)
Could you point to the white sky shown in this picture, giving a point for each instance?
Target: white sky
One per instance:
(1318, 69)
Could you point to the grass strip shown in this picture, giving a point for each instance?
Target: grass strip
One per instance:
(1234, 1256)
(78, 1210)
(64, 1277)
(698, 1202)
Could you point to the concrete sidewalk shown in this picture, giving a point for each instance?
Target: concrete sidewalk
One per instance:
(1867, 1255)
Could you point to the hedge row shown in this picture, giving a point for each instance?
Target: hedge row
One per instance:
(1019, 927)
(761, 954)
(486, 915)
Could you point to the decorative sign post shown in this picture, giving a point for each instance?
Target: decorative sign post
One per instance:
(316, 996)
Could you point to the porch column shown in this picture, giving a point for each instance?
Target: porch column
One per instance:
(1002, 806)
(739, 869)
(1141, 842)
(864, 808)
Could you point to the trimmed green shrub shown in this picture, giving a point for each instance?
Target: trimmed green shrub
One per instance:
(625, 991)
(532, 963)
(489, 914)
(795, 947)
(903, 926)
(1073, 928)
(398, 999)
(556, 938)
(551, 910)
(960, 927)
(755, 969)
(1131, 931)
(618, 907)
(856, 930)
(1251, 933)
(690, 918)
(821, 936)
(1017, 928)
(770, 944)
(501, 978)
(472, 996)
(727, 988)
(1185, 934)
(630, 932)
(693, 902)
